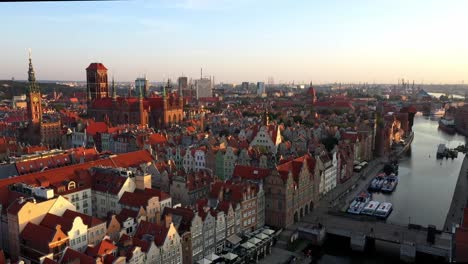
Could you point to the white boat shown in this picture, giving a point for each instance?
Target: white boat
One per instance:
(376, 183)
(384, 210)
(390, 183)
(358, 204)
(370, 208)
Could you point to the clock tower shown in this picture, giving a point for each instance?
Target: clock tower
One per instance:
(34, 96)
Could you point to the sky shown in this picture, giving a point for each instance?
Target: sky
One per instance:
(239, 40)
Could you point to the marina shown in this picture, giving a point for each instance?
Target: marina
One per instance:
(421, 177)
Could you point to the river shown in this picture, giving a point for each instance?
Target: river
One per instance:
(423, 195)
(426, 185)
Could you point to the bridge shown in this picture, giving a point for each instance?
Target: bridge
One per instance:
(363, 229)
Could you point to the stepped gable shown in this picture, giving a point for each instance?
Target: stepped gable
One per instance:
(88, 220)
(39, 237)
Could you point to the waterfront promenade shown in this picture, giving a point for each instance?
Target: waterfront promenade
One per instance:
(455, 213)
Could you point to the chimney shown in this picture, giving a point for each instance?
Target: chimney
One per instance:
(168, 220)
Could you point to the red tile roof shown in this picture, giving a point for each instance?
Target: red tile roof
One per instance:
(250, 173)
(155, 192)
(96, 127)
(159, 232)
(59, 175)
(108, 182)
(39, 237)
(105, 247)
(136, 199)
(157, 139)
(143, 244)
(51, 220)
(295, 166)
(88, 220)
(73, 256)
(187, 215)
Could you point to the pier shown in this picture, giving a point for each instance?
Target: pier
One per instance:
(459, 200)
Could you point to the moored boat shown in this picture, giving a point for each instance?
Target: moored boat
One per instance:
(370, 208)
(390, 183)
(358, 204)
(376, 183)
(384, 210)
(447, 125)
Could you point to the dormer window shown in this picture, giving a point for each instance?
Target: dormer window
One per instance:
(71, 185)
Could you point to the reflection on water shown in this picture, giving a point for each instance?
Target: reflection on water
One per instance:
(426, 185)
(423, 194)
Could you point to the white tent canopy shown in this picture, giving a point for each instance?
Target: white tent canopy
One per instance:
(268, 232)
(204, 261)
(262, 236)
(254, 240)
(212, 257)
(247, 245)
(230, 256)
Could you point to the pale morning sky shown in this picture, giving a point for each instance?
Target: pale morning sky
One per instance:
(240, 40)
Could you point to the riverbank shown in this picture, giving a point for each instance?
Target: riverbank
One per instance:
(455, 213)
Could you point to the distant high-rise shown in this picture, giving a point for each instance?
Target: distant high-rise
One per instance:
(141, 84)
(245, 85)
(261, 88)
(183, 83)
(203, 88)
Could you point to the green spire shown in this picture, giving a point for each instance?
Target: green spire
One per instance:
(140, 91)
(114, 92)
(164, 89)
(33, 87)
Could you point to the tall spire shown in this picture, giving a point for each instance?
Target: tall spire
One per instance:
(168, 85)
(114, 91)
(33, 87)
(140, 91)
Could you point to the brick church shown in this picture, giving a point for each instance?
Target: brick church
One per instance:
(154, 111)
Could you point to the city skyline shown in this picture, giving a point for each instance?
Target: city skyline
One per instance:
(239, 41)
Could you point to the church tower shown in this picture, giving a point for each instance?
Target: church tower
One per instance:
(266, 118)
(96, 79)
(143, 113)
(34, 97)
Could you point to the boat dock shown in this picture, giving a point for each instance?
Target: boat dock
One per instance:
(455, 213)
